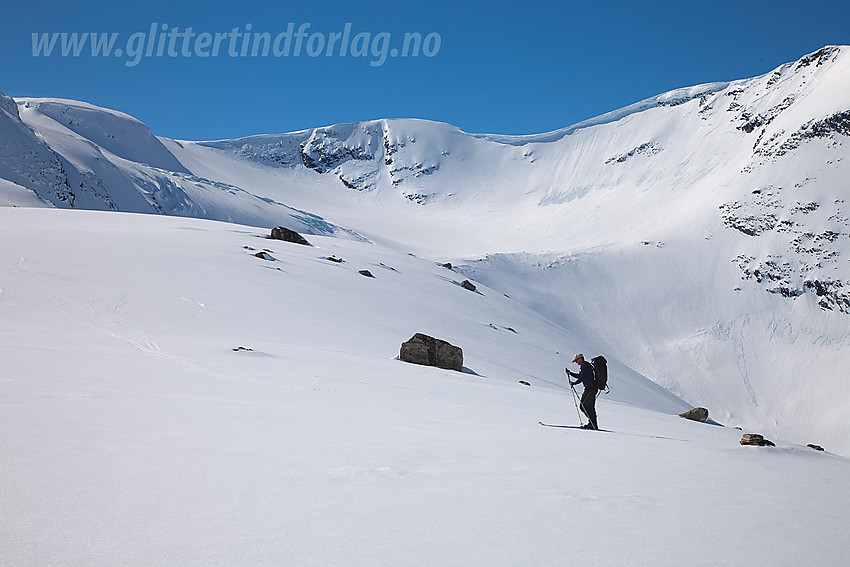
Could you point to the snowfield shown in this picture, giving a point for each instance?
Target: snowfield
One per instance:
(178, 389)
(701, 236)
(170, 398)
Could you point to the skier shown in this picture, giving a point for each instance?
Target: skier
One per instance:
(588, 398)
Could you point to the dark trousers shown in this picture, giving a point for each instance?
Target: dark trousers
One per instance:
(588, 405)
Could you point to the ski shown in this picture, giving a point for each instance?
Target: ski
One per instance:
(610, 431)
(570, 427)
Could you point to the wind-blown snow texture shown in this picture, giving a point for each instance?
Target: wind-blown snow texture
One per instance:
(698, 238)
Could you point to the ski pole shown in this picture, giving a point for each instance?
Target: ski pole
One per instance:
(575, 401)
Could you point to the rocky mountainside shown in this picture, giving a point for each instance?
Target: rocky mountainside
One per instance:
(702, 235)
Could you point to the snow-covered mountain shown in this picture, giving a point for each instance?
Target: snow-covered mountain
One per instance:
(700, 236)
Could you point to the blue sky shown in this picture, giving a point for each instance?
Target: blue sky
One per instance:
(502, 67)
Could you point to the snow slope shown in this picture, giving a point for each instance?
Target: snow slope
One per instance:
(700, 236)
(136, 431)
(77, 155)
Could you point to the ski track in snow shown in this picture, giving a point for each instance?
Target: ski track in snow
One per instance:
(150, 347)
(737, 338)
(117, 320)
(200, 307)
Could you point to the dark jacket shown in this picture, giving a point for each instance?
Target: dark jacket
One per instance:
(585, 375)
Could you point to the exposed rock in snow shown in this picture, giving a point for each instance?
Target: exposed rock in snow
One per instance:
(647, 148)
(696, 414)
(287, 235)
(756, 439)
(428, 351)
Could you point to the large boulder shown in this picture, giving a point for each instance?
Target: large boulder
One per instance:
(756, 439)
(283, 233)
(422, 349)
(696, 414)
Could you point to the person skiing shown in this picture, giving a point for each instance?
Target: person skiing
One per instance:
(588, 398)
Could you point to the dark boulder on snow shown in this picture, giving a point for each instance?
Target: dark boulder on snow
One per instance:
(366, 273)
(756, 439)
(696, 414)
(283, 233)
(428, 351)
(815, 447)
(466, 284)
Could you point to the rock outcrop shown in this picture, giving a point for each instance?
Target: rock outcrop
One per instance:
(428, 351)
(287, 235)
(696, 414)
(756, 439)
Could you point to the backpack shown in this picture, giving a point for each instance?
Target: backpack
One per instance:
(600, 372)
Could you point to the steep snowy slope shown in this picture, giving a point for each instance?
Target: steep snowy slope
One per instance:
(171, 398)
(701, 235)
(736, 294)
(73, 154)
(30, 172)
(115, 132)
